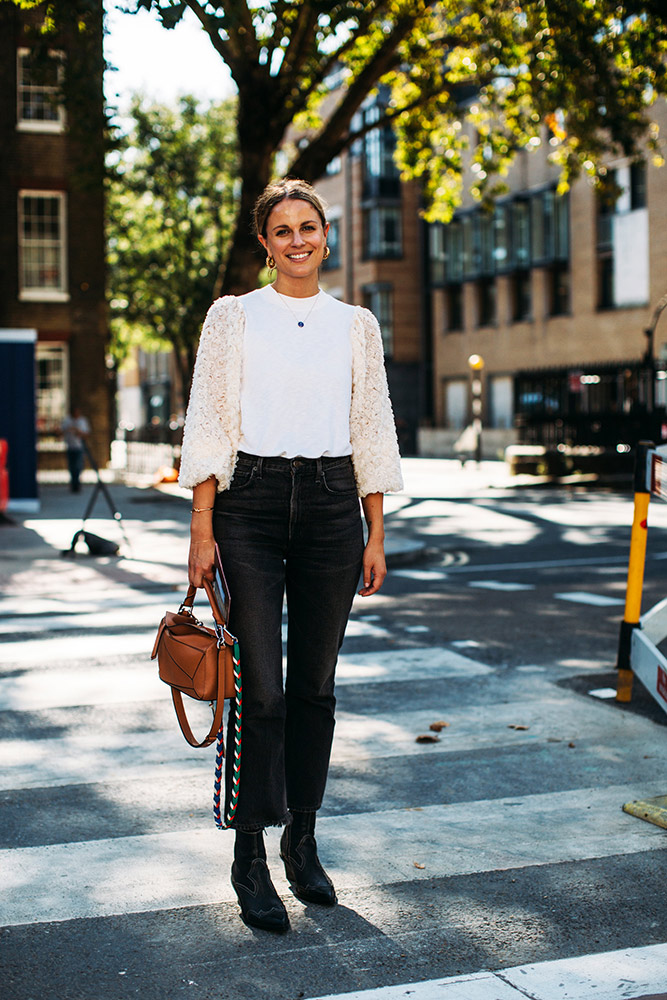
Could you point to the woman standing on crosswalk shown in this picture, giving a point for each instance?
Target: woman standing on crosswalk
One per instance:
(289, 423)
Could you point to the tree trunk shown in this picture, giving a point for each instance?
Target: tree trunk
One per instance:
(257, 144)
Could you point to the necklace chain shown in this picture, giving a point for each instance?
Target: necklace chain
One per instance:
(299, 322)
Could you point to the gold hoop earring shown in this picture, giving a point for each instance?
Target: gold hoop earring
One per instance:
(270, 263)
(326, 254)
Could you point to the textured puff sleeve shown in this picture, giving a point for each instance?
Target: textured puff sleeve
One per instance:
(377, 463)
(213, 420)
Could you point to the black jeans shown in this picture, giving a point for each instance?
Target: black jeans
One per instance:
(288, 526)
(75, 466)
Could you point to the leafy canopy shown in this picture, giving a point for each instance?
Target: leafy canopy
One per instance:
(170, 219)
(496, 70)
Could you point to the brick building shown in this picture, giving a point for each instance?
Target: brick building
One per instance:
(376, 260)
(52, 214)
(555, 294)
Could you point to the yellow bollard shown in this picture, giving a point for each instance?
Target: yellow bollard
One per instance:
(635, 583)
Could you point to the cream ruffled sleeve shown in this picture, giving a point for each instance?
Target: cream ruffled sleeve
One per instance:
(375, 455)
(213, 420)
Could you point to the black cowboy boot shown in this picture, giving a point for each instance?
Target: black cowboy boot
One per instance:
(261, 906)
(298, 850)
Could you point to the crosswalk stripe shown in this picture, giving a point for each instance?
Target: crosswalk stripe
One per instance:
(83, 758)
(596, 600)
(154, 872)
(108, 683)
(637, 971)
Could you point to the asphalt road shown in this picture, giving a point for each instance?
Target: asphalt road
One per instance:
(500, 843)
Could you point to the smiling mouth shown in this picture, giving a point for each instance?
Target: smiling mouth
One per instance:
(299, 256)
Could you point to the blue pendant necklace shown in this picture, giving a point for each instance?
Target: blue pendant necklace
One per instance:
(300, 322)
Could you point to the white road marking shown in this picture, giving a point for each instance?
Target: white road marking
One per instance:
(108, 683)
(499, 585)
(597, 600)
(154, 872)
(37, 690)
(29, 606)
(420, 574)
(407, 664)
(84, 758)
(632, 972)
(604, 693)
(76, 647)
(99, 618)
(539, 564)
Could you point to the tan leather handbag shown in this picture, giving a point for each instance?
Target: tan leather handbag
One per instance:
(196, 660)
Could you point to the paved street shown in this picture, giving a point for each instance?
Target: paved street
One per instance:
(492, 862)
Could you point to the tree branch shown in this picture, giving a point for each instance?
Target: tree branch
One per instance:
(299, 44)
(369, 14)
(211, 24)
(315, 157)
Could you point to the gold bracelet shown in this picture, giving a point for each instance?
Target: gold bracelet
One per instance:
(198, 510)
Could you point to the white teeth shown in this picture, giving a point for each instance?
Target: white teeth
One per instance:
(297, 256)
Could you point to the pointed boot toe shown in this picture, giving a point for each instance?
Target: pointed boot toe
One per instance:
(304, 871)
(261, 906)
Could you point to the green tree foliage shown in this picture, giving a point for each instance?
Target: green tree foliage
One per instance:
(578, 74)
(171, 212)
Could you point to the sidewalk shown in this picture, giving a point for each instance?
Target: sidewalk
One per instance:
(155, 519)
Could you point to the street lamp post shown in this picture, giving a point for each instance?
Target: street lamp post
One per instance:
(476, 364)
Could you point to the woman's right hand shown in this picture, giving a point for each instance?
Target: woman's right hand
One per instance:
(201, 560)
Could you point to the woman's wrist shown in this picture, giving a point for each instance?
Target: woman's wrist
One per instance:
(200, 530)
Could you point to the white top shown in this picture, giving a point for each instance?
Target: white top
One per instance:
(212, 429)
(297, 381)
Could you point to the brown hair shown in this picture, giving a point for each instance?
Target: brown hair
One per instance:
(277, 191)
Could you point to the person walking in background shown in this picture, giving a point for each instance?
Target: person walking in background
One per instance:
(75, 429)
(289, 423)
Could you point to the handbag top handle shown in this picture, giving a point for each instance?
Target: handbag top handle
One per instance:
(221, 629)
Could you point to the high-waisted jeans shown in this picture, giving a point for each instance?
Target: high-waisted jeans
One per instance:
(288, 526)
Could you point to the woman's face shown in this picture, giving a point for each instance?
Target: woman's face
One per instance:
(295, 237)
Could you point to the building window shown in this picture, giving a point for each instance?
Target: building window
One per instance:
(446, 268)
(42, 246)
(485, 234)
(437, 254)
(486, 302)
(521, 234)
(381, 175)
(468, 256)
(333, 242)
(501, 401)
(606, 281)
(382, 231)
(521, 296)
(38, 90)
(501, 237)
(379, 298)
(637, 186)
(51, 386)
(559, 288)
(455, 306)
(455, 403)
(623, 239)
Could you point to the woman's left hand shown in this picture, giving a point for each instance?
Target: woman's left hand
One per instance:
(374, 568)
